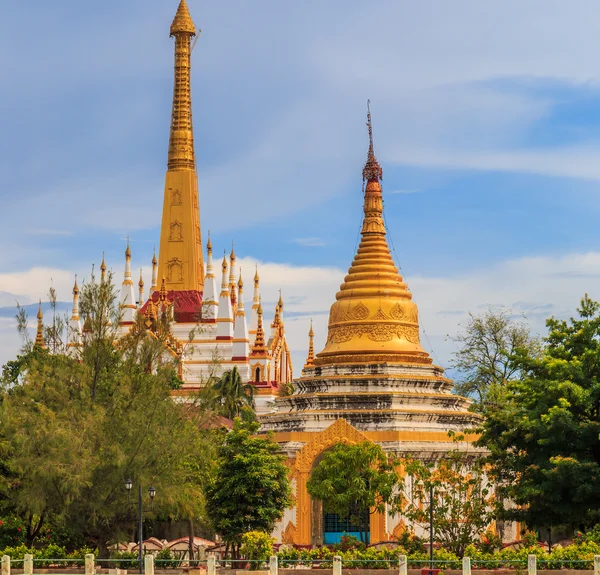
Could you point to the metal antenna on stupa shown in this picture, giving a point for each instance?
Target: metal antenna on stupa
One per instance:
(372, 170)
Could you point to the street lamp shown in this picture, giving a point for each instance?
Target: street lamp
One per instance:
(152, 495)
(431, 528)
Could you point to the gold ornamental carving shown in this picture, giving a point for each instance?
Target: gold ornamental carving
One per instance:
(289, 534)
(175, 267)
(397, 312)
(176, 198)
(378, 332)
(176, 234)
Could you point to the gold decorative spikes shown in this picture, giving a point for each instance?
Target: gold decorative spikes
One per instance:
(374, 315)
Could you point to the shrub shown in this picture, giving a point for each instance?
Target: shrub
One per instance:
(257, 547)
(164, 558)
(410, 542)
(12, 532)
(126, 560)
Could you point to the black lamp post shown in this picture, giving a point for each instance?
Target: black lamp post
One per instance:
(151, 494)
(431, 529)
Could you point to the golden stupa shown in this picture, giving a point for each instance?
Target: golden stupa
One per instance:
(372, 381)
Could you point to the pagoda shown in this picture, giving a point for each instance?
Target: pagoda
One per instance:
(210, 330)
(373, 381)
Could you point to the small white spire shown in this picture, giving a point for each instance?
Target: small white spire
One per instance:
(141, 290)
(210, 286)
(127, 299)
(74, 338)
(255, 304)
(154, 284)
(241, 342)
(225, 311)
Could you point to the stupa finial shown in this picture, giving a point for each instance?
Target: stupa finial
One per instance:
(372, 170)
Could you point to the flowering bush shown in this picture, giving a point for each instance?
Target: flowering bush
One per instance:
(257, 547)
(12, 531)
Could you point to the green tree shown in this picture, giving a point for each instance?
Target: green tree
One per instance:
(356, 481)
(250, 489)
(487, 356)
(461, 504)
(545, 440)
(232, 397)
(74, 427)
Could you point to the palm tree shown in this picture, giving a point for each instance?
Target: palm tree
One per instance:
(233, 396)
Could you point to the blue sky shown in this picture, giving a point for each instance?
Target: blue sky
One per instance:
(486, 121)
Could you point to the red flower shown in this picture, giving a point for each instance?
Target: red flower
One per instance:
(19, 529)
(0, 522)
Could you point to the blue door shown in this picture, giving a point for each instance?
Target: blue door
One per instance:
(334, 528)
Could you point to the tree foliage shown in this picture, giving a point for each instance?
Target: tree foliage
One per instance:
(355, 481)
(487, 357)
(231, 397)
(544, 441)
(74, 427)
(461, 504)
(250, 489)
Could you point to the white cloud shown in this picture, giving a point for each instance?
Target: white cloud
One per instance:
(537, 287)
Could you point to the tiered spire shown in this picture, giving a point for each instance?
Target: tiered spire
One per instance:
(141, 290)
(154, 283)
(102, 269)
(241, 346)
(75, 331)
(259, 349)
(232, 286)
(373, 318)
(39, 334)
(255, 304)
(310, 359)
(210, 285)
(225, 312)
(180, 259)
(127, 299)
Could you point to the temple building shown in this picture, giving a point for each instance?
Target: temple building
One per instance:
(372, 382)
(210, 332)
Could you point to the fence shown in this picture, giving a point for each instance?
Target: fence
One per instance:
(211, 564)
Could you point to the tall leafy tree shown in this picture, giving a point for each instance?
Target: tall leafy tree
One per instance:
(74, 428)
(545, 440)
(486, 359)
(232, 397)
(355, 481)
(250, 489)
(456, 492)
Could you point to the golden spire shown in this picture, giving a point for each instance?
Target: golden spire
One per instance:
(180, 259)
(209, 244)
(39, 335)
(373, 318)
(310, 359)
(181, 141)
(154, 283)
(75, 314)
(141, 290)
(240, 295)
(256, 277)
(183, 23)
(102, 269)
(232, 289)
(259, 349)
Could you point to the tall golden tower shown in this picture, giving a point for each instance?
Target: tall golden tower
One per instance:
(180, 256)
